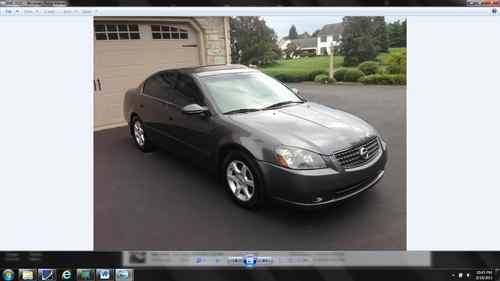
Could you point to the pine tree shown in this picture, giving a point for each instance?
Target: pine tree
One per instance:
(292, 33)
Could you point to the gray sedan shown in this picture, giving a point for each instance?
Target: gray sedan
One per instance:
(260, 137)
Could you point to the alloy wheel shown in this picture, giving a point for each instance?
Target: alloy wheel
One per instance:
(139, 133)
(240, 180)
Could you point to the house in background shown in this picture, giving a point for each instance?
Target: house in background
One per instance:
(305, 47)
(328, 35)
(320, 45)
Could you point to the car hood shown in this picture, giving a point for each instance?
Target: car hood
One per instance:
(309, 125)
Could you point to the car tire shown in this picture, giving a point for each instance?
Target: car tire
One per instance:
(139, 135)
(240, 173)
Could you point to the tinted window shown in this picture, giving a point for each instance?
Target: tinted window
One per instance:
(187, 92)
(159, 85)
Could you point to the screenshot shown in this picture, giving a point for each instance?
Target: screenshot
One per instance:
(285, 140)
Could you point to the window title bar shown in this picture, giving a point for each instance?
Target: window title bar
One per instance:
(248, 11)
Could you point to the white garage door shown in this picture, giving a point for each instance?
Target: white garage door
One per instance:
(125, 53)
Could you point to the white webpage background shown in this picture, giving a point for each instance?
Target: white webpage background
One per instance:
(453, 130)
(46, 163)
(46, 153)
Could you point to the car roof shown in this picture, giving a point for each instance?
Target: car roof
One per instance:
(209, 68)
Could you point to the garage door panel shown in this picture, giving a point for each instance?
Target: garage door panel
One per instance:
(163, 54)
(123, 64)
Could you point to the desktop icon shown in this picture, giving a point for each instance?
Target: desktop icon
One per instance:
(85, 274)
(26, 274)
(104, 274)
(124, 275)
(67, 275)
(8, 275)
(45, 274)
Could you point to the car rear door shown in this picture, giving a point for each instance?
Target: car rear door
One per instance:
(156, 111)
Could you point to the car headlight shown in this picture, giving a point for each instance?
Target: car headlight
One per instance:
(300, 159)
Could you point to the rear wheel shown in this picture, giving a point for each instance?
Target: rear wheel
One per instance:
(139, 135)
(243, 180)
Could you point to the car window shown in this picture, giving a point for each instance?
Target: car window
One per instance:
(186, 92)
(160, 85)
(253, 90)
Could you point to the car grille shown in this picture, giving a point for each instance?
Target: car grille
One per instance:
(352, 157)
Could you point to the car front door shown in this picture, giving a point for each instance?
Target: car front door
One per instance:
(192, 131)
(155, 107)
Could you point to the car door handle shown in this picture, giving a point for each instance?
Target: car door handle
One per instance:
(141, 105)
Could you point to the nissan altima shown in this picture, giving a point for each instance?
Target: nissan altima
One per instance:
(260, 137)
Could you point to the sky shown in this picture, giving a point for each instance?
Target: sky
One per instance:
(281, 24)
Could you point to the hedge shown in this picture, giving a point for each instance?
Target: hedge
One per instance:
(323, 78)
(369, 67)
(384, 79)
(339, 74)
(353, 75)
(296, 75)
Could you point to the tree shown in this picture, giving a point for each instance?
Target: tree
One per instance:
(379, 34)
(315, 33)
(252, 41)
(358, 43)
(396, 33)
(292, 33)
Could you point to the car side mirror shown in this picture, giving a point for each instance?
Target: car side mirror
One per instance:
(194, 109)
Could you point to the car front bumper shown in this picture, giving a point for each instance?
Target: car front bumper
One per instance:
(323, 186)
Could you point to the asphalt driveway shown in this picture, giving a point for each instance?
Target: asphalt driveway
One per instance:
(157, 201)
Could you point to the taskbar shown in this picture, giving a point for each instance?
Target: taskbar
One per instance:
(248, 265)
(288, 274)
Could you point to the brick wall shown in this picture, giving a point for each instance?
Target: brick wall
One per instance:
(215, 37)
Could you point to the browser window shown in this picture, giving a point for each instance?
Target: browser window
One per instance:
(239, 136)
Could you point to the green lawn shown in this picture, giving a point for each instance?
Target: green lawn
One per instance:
(301, 65)
(304, 69)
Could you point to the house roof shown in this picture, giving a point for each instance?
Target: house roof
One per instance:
(332, 29)
(305, 43)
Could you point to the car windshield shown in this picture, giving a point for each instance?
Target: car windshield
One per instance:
(246, 92)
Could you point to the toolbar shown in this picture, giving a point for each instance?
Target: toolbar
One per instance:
(248, 11)
(275, 259)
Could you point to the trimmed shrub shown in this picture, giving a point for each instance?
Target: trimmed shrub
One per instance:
(384, 79)
(396, 63)
(353, 75)
(322, 78)
(369, 67)
(296, 75)
(339, 74)
(315, 73)
(289, 77)
(393, 69)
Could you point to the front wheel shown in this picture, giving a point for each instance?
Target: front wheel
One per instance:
(242, 179)
(139, 135)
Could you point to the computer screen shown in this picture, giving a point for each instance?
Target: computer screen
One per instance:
(144, 138)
